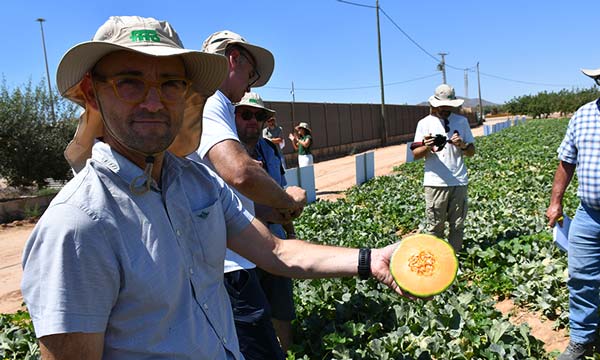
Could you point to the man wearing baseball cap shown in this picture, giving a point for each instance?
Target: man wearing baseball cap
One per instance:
(127, 261)
(445, 178)
(578, 152)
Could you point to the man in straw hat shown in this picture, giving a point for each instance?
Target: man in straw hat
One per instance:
(444, 138)
(127, 261)
(578, 152)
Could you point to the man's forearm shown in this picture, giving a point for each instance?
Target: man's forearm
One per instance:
(421, 152)
(562, 178)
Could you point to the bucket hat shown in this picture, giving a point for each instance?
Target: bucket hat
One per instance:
(444, 96)
(254, 100)
(304, 126)
(265, 62)
(591, 73)
(150, 37)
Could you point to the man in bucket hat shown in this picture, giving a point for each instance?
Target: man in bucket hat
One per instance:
(443, 139)
(270, 296)
(578, 152)
(220, 147)
(127, 261)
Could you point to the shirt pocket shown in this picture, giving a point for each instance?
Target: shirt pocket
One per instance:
(211, 232)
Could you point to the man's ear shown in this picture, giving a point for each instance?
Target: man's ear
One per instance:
(87, 88)
(234, 57)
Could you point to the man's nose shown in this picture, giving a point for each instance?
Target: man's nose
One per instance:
(152, 102)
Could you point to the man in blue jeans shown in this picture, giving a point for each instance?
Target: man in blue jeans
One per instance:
(579, 152)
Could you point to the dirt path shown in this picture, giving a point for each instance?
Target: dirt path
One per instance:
(12, 241)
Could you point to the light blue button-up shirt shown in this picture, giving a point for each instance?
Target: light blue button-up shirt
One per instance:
(147, 270)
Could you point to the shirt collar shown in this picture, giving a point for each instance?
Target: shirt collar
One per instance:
(127, 170)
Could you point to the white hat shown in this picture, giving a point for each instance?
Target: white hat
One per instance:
(591, 73)
(146, 36)
(254, 100)
(444, 96)
(265, 62)
(304, 126)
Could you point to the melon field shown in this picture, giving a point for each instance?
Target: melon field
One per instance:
(508, 254)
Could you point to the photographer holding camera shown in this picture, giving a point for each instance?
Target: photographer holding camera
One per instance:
(443, 138)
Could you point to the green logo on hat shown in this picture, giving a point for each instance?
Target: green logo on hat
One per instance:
(144, 35)
(253, 101)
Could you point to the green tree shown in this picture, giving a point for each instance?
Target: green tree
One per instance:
(32, 142)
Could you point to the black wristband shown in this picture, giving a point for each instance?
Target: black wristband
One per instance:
(364, 263)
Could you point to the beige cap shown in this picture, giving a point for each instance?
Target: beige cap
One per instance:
(254, 100)
(444, 96)
(147, 36)
(265, 62)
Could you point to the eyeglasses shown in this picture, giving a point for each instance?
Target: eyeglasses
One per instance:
(254, 75)
(260, 115)
(133, 89)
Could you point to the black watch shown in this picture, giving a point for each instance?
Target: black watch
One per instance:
(364, 263)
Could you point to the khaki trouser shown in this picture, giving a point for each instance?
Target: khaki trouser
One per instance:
(446, 204)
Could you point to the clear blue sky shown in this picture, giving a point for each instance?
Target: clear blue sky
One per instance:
(329, 48)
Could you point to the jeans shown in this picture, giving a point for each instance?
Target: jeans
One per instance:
(584, 274)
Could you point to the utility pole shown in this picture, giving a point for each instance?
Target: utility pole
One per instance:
(466, 83)
(442, 66)
(41, 20)
(383, 127)
(293, 101)
(479, 91)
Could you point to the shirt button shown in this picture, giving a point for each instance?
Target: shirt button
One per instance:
(205, 306)
(178, 232)
(191, 271)
(224, 341)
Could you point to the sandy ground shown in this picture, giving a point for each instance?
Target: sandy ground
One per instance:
(331, 179)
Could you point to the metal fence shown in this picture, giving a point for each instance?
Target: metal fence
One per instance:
(344, 129)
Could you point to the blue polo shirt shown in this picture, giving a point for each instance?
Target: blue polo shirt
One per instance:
(147, 270)
(581, 146)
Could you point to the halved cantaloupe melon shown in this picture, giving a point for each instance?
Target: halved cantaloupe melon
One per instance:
(424, 265)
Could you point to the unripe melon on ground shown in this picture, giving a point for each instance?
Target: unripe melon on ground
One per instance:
(424, 265)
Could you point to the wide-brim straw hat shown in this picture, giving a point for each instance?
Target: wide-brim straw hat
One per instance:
(444, 96)
(265, 62)
(146, 36)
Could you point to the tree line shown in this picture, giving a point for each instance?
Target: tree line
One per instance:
(546, 103)
(32, 139)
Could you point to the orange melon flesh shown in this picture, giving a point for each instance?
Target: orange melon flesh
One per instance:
(424, 265)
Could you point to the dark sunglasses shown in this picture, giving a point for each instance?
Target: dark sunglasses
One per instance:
(260, 115)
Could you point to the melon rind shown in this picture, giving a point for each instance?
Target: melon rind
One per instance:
(424, 286)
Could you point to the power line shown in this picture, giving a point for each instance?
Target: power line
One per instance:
(353, 88)
(357, 4)
(524, 82)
